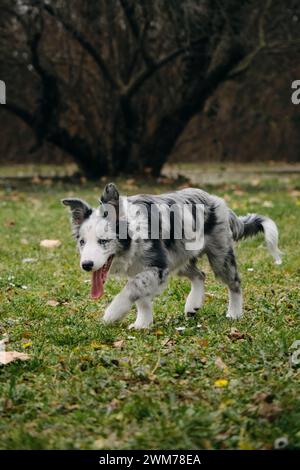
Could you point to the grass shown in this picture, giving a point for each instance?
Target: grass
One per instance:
(90, 386)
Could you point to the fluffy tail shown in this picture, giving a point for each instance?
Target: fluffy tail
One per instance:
(250, 225)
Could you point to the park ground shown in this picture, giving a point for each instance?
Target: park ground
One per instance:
(206, 383)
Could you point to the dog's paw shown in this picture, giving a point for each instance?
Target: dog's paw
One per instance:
(192, 306)
(191, 314)
(233, 315)
(139, 326)
(109, 317)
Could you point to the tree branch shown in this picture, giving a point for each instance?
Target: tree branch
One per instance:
(161, 142)
(145, 74)
(87, 46)
(262, 44)
(21, 113)
(134, 26)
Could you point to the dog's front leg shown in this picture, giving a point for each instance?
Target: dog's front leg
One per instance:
(140, 289)
(144, 317)
(118, 307)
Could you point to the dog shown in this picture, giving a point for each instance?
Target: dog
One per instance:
(109, 242)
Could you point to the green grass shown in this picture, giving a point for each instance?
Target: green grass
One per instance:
(81, 391)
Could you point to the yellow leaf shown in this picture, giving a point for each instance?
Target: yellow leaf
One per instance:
(159, 332)
(96, 345)
(245, 445)
(27, 345)
(221, 383)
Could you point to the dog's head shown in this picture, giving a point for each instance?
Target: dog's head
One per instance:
(97, 233)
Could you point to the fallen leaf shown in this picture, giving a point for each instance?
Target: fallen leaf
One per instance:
(158, 332)
(119, 344)
(268, 204)
(245, 445)
(53, 303)
(263, 397)
(239, 192)
(236, 334)
(203, 343)
(165, 341)
(220, 364)
(9, 223)
(125, 362)
(220, 383)
(268, 410)
(294, 193)
(96, 345)
(36, 180)
(9, 356)
(50, 243)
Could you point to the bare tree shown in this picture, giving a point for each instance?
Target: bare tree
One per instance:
(115, 82)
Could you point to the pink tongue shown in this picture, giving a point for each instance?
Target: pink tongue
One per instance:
(97, 284)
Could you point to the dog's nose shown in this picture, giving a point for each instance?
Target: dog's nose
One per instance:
(87, 265)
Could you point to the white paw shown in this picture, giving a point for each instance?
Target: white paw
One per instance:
(233, 315)
(139, 326)
(107, 319)
(110, 316)
(192, 306)
(117, 309)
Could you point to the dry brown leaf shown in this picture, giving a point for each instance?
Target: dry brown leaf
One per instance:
(9, 223)
(53, 303)
(269, 410)
(236, 334)
(50, 243)
(165, 341)
(263, 397)
(220, 364)
(203, 343)
(119, 344)
(9, 356)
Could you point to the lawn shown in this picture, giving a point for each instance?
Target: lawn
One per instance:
(212, 384)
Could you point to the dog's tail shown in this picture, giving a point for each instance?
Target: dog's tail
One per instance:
(250, 225)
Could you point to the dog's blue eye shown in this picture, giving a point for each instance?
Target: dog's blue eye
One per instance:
(81, 242)
(103, 242)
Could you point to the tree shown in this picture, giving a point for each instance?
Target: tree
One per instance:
(115, 82)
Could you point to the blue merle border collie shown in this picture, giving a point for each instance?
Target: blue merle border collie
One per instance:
(147, 261)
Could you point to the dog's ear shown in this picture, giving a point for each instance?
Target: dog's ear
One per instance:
(110, 194)
(80, 210)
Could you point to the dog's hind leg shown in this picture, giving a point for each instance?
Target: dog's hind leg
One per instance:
(196, 296)
(140, 289)
(224, 266)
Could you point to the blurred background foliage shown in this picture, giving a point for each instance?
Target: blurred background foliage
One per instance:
(122, 86)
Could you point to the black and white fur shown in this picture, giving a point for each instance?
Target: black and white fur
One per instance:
(147, 263)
